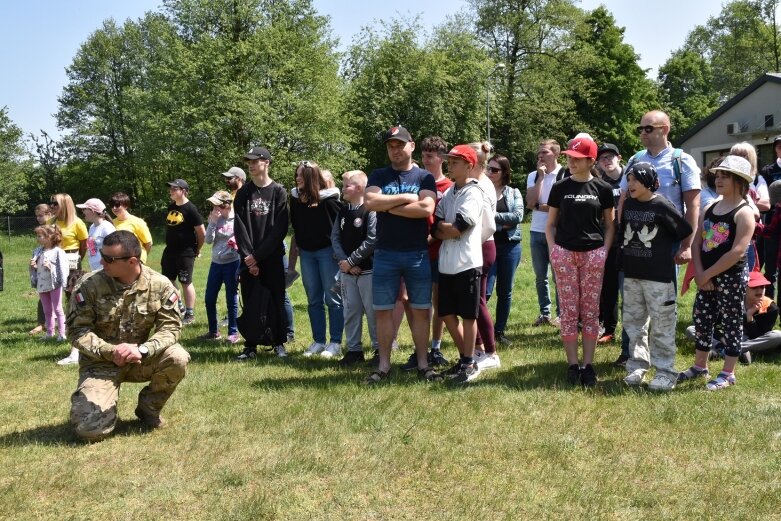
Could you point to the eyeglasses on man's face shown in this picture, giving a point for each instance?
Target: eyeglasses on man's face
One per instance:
(108, 259)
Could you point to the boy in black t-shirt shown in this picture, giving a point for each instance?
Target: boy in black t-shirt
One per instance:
(650, 226)
(184, 236)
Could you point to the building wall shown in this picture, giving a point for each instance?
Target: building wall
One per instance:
(750, 112)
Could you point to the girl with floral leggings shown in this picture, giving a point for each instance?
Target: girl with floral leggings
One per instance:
(579, 231)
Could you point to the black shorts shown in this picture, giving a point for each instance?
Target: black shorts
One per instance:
(178, 267)
(459, 294)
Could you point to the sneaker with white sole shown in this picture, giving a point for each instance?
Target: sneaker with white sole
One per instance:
(280, 351)
(489, 361)
(314, 348)
(466, 373)
(331, 350)
(662, 382)
(68, 361)
(722, 381)
(635, 378)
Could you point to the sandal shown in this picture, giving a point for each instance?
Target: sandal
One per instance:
(376, 377)
(429, 375)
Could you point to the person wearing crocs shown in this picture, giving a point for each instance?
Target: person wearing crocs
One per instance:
(719, 256)
(224, 266)
(404, 196)
(650, 226)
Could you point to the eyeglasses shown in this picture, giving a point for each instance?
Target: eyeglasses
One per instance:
(54, 203)
(647, 128)
(116, 205)
(110, 260)
(494, 170)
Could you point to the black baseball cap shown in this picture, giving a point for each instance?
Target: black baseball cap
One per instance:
(399, 133)
(608, 147)
(258, 153)
(179, 183)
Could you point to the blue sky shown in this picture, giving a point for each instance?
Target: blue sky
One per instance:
(39, 38)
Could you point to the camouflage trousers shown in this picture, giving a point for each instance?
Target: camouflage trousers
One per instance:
(649, 301)
(94, 404)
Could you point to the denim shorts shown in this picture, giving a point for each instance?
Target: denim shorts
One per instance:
(390, 267)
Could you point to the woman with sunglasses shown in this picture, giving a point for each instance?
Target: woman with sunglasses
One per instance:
(120, 204)
(73, 230)
(507, 238)
(313, 210)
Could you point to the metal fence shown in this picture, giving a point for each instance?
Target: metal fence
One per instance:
(13, 226)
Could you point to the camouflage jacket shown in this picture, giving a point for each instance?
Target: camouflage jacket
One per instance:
(103, 312)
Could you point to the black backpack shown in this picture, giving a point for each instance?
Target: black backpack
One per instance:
(258, 314)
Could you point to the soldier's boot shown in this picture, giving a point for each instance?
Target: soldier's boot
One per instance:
(150, 418)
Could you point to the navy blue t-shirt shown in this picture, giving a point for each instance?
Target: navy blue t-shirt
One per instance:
(393, 231)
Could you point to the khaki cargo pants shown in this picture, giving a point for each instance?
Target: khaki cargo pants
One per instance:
(94, 404)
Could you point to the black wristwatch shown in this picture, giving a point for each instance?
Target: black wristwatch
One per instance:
(143, 350)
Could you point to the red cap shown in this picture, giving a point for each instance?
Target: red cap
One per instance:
(464, 152)
(582, 147)
(756, 279)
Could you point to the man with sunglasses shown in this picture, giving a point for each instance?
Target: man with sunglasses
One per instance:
(683, 190)
(112, 315)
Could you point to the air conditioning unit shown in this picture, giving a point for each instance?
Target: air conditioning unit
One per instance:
(733, 128)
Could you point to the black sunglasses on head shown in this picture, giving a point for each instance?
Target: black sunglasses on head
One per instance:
(110, 260)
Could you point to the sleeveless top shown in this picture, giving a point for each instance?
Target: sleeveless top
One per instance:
(718, 236)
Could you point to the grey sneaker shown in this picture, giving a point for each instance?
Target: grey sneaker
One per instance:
(280, 351)
(331, 350)
(188, 319)
(661, 382)
(635, 378)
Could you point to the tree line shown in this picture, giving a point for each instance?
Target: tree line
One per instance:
(185, 91)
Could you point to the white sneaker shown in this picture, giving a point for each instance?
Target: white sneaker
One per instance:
(61, 338)
(280, 351)
(488, 361)
(635, 377)
(315, 348)
(68, 361)
(478, 355)
(331, 350)
(661, 382)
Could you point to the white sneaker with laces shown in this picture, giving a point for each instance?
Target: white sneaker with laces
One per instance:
(488, 361)
(331, 350)
(662, 382)
(314, 349)
(635, 377)
(280, 351)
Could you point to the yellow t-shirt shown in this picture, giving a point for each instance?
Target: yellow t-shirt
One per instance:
(138, 227)
(72, 235)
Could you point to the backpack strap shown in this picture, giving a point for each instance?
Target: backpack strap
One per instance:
(677, 164)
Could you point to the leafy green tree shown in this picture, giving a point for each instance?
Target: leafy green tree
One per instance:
(687, 89)
(611, 91)
(14, 162)
(432, 85)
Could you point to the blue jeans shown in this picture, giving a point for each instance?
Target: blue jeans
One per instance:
(502, 273)
(220, 274)
(318, 269)
(390, 267)
(540, 263)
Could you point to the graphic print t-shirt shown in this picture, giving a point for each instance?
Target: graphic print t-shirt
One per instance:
(180, 223)
(580, 206)
(718, 236)
(648, 232)
(393, 231)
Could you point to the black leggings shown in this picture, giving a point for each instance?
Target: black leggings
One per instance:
(722, 308)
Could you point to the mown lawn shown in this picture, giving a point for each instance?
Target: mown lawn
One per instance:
(302, 439)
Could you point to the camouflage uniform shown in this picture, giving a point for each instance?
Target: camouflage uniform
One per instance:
(104, 313)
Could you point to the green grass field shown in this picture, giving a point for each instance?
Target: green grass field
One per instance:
(300, 439)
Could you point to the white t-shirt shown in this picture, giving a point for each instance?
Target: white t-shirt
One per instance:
(95, 241)
(488, 219)
(540, 219)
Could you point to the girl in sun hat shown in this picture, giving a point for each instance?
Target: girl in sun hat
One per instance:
(579, 232)
(719, 258)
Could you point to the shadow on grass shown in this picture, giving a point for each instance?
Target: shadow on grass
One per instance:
(62, 434)
(23, 322)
